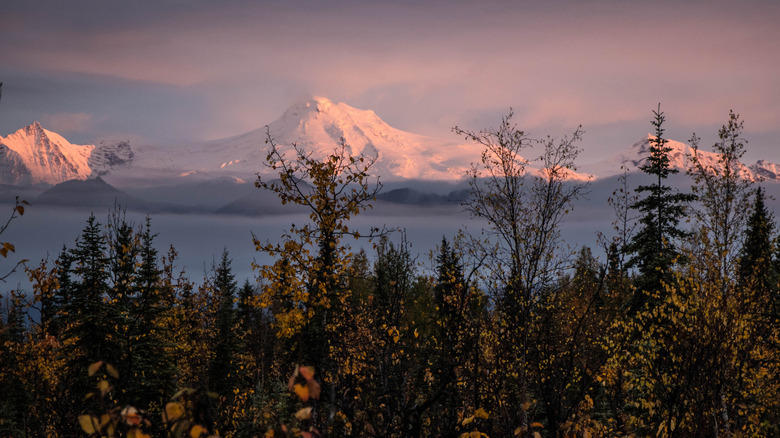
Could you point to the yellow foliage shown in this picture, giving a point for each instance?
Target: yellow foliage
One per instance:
(173, 411)
(89, 423)
(301, 391)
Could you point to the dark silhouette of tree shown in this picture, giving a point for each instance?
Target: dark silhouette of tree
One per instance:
(757, 266)
(655, 245)
(723, 192)
(523, 209)
(222, 370)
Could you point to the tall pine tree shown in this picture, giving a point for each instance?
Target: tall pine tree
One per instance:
(654, 246)
(222, 372)
(756, 268)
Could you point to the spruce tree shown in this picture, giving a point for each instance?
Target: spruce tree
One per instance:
(150, 367)
(455, 318)
(86, 307)
(655, 245)
(55, 315)
(86, 322)
(756, 268)
(15, 397)
(222, 372)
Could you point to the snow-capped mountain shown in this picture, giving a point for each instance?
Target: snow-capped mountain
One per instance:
(766, 170)
(633, 158)
(316, 126)
(34, 155)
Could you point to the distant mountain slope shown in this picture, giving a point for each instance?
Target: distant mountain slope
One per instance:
(316, 126)
(633, 158)
(88, 193)
(34, 155)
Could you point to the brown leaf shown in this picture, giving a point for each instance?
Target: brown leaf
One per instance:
(314, 389)
(94, 368)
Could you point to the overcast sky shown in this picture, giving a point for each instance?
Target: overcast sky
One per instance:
(197, 70)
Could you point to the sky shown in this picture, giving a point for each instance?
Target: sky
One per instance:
(180, 70)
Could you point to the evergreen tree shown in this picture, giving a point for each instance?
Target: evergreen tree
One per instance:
(85, 339)
(655, 246)
(150, 369)
(253, 333)
(457, 333)
(756, 267)
(15, 397)
(222, 372)
(56, 314)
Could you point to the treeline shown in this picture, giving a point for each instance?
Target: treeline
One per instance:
(510, 333)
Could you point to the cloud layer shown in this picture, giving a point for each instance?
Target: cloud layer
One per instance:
(196, 70)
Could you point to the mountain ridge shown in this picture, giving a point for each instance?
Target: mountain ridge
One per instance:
(34, 155)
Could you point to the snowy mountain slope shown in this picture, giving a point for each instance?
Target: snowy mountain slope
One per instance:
(34, 155)
(633, 158)
(316, 126)
(766, 170)
(41, 156)
(108, 155)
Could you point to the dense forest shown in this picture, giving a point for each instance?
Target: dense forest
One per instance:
(673, 333)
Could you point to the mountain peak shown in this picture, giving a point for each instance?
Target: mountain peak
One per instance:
(680, 158)
(34, 155)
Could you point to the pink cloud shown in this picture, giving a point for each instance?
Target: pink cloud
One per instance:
(68, 122)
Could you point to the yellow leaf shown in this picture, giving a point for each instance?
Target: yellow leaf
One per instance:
(537, 435)
(112, 371)
(94, 368)
(303, 414)
(481, 413)
(104, 387)
(173, 411)
(88, 423)
(197, 430)
(467, 420)
(537, 425)
(301, 391)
